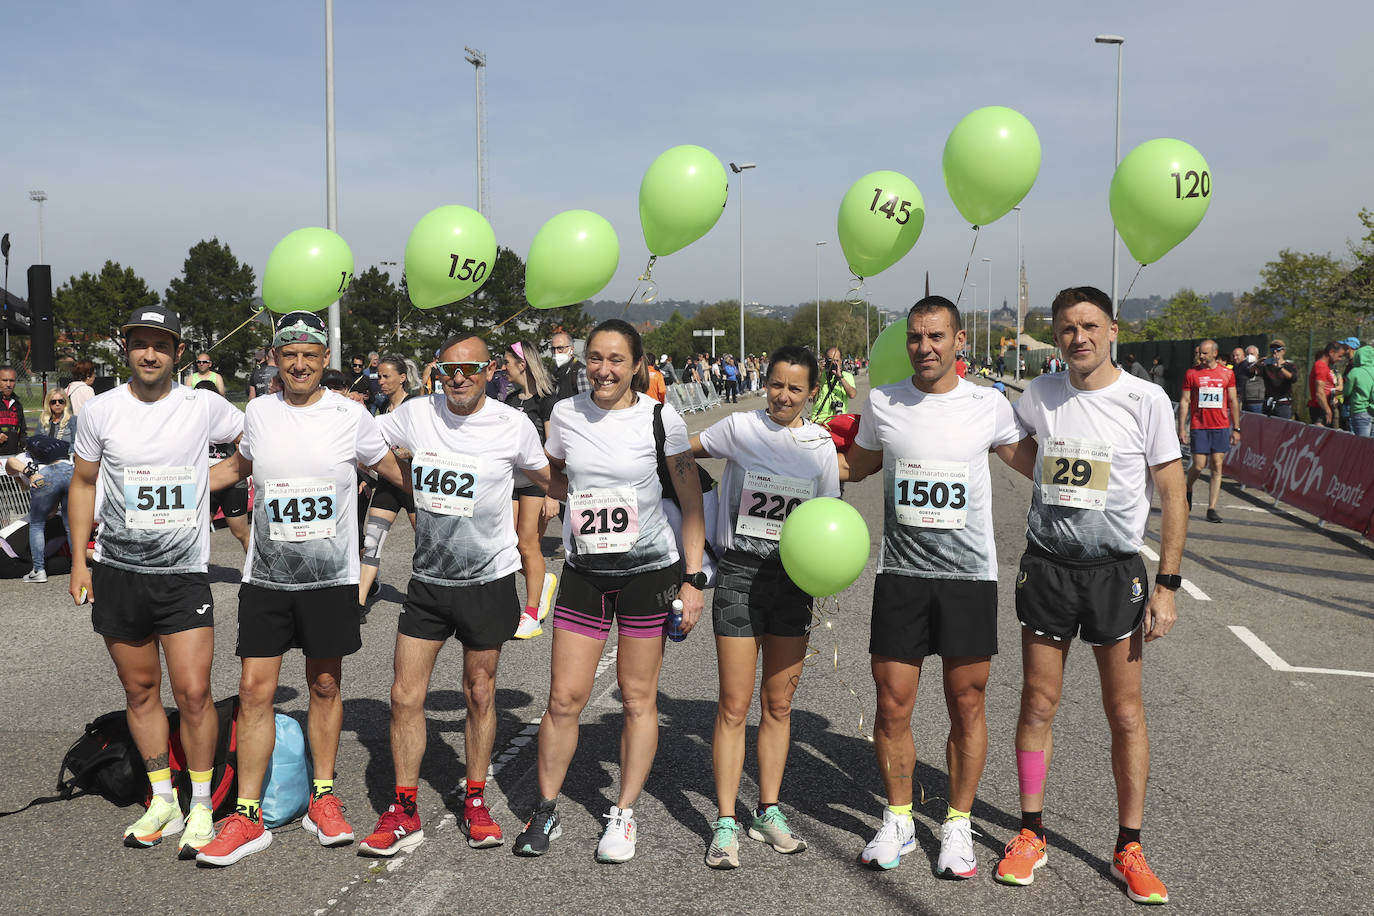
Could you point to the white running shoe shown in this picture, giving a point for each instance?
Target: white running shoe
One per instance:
(894, 839)
(546, 595)
(36, 575)
(618, 841)
(528, 628)
(956, 850)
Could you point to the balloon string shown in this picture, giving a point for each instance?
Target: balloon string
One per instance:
(967, 265)
(512, 318)
(1129, 288)
(650, 292)
(856, 290)
(823, 612)
(183, 369)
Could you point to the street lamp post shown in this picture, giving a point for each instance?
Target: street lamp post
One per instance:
(973, 297)
(38, 197)
(739, 170)
(1019, 267)
(818, 299)
(1116, 160)
(331, 177)
(987, 347)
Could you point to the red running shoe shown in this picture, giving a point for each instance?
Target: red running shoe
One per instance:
(239, 836)
(482, 832)
(396, 831)
(325, 819)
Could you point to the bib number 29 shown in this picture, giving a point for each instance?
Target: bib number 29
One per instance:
(1071, 473)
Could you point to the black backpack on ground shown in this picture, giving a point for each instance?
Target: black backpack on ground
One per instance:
(104, 761)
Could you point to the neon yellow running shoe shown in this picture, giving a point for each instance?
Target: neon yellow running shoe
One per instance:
(199, 831)
(162, 818)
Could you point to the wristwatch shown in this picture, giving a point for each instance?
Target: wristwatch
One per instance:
(697, 580)
(1173, 583)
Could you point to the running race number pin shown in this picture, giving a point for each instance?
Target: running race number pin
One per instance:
(445, 483)
(930, 494)
(766, 500)
(1074, 473)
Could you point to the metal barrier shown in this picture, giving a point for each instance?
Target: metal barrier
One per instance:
(14, 500)
(688, 397)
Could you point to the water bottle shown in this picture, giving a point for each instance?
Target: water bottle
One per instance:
(675, 632)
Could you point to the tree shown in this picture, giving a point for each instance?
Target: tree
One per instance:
(370, 311)
(1186, 317)
(88, 311)
(1298, 286)
(213, 297)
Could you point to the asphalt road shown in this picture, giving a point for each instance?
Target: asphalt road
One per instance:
(1260, 791)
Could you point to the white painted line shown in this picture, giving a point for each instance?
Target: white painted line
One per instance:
(1271, 658)
(1149, 554)
(1197, 593)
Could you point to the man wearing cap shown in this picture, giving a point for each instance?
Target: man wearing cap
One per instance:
(1209, 401)
(1279, 375)
(145, 444)
(300, 579)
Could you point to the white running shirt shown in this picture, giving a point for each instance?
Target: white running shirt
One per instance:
(614, 524)
(1092, 483)
(152, 495)
(769, 471)
(937, 507)
(462, 473)
(305, 518)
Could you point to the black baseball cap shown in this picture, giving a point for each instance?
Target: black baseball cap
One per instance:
(154, 316)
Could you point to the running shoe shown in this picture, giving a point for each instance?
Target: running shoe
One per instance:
(1025, 853)
(326, 821)
(724, 849)
(894, 839)
(618, 839)
(1128, 866)
(1214, 516)
(546, 594)
(238, 836)
(540, 829)
(395, 832)
(529, 627)
(482, 832)
(771, 828)
(956, 850)
(163, 818)
(200, 830)
(37, 576)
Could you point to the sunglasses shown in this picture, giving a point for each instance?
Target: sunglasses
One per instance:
(57, 402)
(202, 362)
(465, 369)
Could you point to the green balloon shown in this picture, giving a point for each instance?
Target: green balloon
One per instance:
(990, 162)
(880, 218)
(449, 255)
(681, 197)
(1159, 194)
(572, 258)
(824, 546)
(309, 269)
(890, 362)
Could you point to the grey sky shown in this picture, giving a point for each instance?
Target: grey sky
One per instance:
(154, 125)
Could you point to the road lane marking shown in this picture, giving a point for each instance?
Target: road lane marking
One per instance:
(1272, 659)
(1188, 586)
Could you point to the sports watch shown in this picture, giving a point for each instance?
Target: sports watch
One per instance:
(1169, 582)
(697, 580)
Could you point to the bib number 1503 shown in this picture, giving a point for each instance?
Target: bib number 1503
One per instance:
(921, 493)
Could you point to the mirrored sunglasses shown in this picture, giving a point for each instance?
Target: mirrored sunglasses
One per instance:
(465, 369)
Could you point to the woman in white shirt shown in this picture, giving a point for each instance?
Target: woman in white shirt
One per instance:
(622, 562)
(775, 460)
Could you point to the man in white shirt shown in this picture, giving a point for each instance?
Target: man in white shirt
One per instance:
(300, 578)
(464, 450)
(936, 589)
(1105, 439)
(145, 446)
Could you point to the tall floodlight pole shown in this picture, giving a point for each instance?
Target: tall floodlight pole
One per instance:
(987, 347)
(818, 299)
(331, 175)
(38, 197)
(1116, 160)
(739, 170)
(479, 63)
(1020, 291)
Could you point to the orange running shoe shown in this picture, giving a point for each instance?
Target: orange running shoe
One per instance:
(325, 819)
(1128, 867)
(1025, 853)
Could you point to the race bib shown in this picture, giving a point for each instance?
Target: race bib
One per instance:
(930, 494)
(160, 497)
(445, 482)
(604, 520)
(300, 508)
(766, 500)
(1074, 473)
(1211, 397)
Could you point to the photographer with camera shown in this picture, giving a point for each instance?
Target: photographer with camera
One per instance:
(1279, 374)
(837, 387)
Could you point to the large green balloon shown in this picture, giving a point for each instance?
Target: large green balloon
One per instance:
(449, 255)
(572, 258)
(890, 362)
(824, 546)
(880, 218)
(1160, 193)
(990, 162)
(681, 197)
(309, 269)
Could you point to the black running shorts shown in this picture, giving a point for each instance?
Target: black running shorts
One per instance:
(132, 606)
(321, 622)
(479, 616)
(232, 501)
(755, 597)
(587, 603)
(914, 617)
(392, 498)
(1100, 601)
